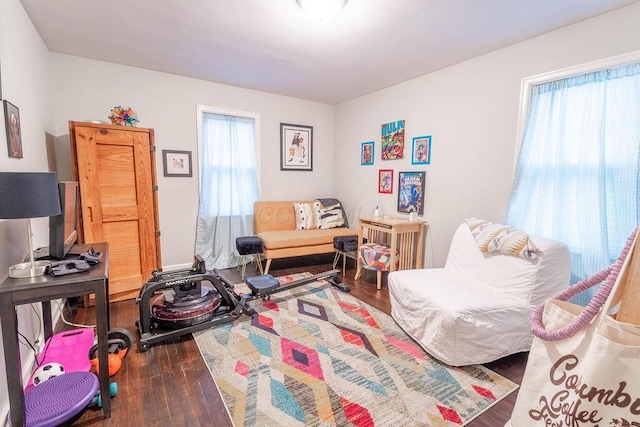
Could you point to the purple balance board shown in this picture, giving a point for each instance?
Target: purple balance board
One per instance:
(59, 398)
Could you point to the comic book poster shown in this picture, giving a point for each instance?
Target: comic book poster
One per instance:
(393, 140)
(411, 192)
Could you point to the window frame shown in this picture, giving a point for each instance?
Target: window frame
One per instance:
(576, 70)
(201, 109)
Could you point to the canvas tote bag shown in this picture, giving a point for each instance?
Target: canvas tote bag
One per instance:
(584, 366)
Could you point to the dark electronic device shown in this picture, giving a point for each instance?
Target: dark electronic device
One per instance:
(62, 228)
(181, 302)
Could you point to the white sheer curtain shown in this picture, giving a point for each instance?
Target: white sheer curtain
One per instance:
(578, 169)
(228, 187)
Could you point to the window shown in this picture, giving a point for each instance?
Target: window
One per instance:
(228, 183)
(577, 173)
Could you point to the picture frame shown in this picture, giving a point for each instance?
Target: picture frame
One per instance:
(13, 129)
(366, 153)
(385, 181)
(296, 147)
(421, 150)
(177, 163)
(411, 186)
(392, 140)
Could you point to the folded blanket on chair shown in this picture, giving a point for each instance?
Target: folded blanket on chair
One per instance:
(492, 237)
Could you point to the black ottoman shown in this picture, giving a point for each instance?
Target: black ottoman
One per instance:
(342, 245)
(249, 245)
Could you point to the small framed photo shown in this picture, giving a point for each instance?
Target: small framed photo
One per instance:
(12, 125)
(421, 151)
(296, 147)
(177, 163)
(411, 187)
(385, 181)
(366, 154)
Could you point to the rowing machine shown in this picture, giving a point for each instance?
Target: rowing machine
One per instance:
(182, 302)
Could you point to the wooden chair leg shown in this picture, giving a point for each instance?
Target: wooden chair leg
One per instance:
(379, 279)
(244, 268)
(256, 258)
(335, 258)
(358, 271)
(266, 266)
(344, 263)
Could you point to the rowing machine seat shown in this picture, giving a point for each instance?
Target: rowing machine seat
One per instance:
(262, 285)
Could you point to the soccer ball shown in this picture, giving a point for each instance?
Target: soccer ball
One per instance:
(47, 371)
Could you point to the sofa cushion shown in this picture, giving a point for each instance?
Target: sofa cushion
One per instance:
(307, 215)
(492, 237)
(330, 216)
(327, 201)
(531, 280)
(293, 238)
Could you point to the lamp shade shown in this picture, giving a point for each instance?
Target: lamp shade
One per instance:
(28, 195)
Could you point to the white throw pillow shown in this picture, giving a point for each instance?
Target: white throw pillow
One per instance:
(305, 215)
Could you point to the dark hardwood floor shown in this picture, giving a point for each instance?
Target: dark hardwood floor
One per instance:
(169, 385)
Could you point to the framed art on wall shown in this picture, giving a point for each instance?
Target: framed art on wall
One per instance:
(411, 192)
(12, 126)
(176, 163)
(421, 150)
(385, 181)
(392, 140)
(366, 154)
(296, 147)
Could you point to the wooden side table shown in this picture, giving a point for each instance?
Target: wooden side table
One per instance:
(43, 289)
(400, 234)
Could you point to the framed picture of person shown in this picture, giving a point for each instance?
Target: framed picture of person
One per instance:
(392, 142)
(411, 187)
(385, 181)
(366, 154)
(421, 151)
(176, 163)
(296, 147)
(12, 125)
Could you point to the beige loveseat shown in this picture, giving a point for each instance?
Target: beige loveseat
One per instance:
(275, 224)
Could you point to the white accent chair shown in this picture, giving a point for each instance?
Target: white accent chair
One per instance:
(476, 309)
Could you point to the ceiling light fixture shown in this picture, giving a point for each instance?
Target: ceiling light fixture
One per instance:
(321, 10)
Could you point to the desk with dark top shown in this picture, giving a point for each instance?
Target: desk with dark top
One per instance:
(43, 289)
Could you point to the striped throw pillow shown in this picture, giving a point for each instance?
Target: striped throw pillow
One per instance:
(330, 216)
(492, 237)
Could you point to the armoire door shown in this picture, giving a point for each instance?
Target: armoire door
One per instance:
(115, 169)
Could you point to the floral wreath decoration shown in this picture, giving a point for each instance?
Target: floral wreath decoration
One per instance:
(123, 116)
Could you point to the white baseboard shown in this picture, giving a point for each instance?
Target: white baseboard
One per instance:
(176, 267)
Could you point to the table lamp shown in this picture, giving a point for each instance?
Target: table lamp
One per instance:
(28, 195)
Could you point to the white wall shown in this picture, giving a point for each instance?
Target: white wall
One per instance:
(24, 66)
(471, 111)
(86, 89)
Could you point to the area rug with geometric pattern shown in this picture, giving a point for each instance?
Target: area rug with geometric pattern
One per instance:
(315, 356)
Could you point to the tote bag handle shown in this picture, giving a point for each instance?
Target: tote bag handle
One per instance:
(609, 275)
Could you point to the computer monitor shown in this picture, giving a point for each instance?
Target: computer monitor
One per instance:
(63, 228)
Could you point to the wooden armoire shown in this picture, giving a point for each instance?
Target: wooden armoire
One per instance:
(116, 171)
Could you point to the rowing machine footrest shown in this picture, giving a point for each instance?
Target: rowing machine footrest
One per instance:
(262, 285)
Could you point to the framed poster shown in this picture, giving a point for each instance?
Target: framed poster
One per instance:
(393, 140)
(385, 181)
(411, 192)
(366, 154)
(421, 150)
(12, 125)
(176, 163)
(296, 147)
